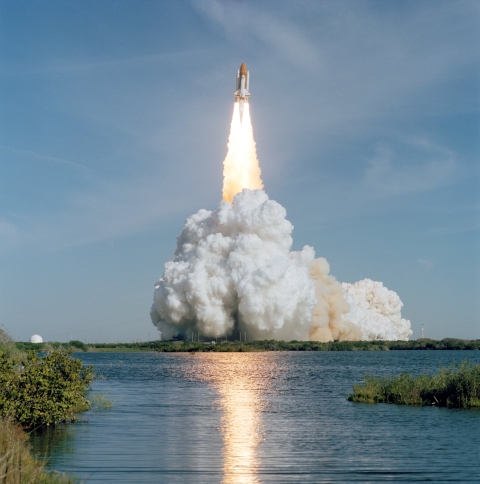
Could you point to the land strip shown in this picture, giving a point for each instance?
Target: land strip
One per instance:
(264, 345)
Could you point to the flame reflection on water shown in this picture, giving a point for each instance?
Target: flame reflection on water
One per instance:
(241, 429)
(241, 384)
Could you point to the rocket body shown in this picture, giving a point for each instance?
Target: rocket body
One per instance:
(243, 83)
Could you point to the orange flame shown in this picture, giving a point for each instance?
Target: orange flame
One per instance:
(240, 167)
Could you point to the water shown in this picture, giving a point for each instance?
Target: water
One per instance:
(262, 417)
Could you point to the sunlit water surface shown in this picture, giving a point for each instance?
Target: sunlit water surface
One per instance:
(262, 417)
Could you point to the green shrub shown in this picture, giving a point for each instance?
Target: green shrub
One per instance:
(78, 345)
(8, 346)
(43, 390)
(457, 386)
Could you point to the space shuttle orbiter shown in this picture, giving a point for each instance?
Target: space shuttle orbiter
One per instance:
(243, 84)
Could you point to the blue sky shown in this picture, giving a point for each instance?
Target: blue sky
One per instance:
(113, 128)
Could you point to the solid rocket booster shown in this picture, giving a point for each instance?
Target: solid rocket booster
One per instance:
(242, 86)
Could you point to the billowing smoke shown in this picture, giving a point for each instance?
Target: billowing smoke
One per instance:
(233, 272)
(376, 311)
(328, 319)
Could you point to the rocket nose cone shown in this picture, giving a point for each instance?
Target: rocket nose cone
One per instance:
(243, 69)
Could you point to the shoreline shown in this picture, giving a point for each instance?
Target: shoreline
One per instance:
(257, 346)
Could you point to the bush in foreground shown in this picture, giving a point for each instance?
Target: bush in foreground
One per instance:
(43, 390)
(35, 391)
(456, 387)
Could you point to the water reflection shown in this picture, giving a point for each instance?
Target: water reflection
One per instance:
(241, 383)
(241, 429)
(48, 441)
(204, 419)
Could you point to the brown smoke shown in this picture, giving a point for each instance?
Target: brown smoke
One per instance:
(327, 321)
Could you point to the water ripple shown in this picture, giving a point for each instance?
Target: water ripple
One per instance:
(262, 417)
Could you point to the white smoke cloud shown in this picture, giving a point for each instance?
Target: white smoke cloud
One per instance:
(233, 266)
(376, 311)
(233, 271)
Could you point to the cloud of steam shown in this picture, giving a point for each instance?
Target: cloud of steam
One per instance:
(375, 310)
(233, 271)
(328, 321)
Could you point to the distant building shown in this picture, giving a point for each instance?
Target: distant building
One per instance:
(36, 338)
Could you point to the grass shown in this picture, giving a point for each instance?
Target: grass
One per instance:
(457, 386)
(17, 465)
(100, 401)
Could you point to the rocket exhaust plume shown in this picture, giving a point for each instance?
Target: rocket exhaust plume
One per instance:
(240, 167)
(233, 270)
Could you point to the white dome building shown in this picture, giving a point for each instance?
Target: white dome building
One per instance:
(36, 338)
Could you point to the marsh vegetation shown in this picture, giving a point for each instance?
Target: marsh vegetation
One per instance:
(457, 386)
(17, 465)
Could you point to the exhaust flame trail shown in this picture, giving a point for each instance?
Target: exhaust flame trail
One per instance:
(241, 168)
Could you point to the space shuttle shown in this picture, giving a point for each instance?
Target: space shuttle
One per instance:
(243, 84)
